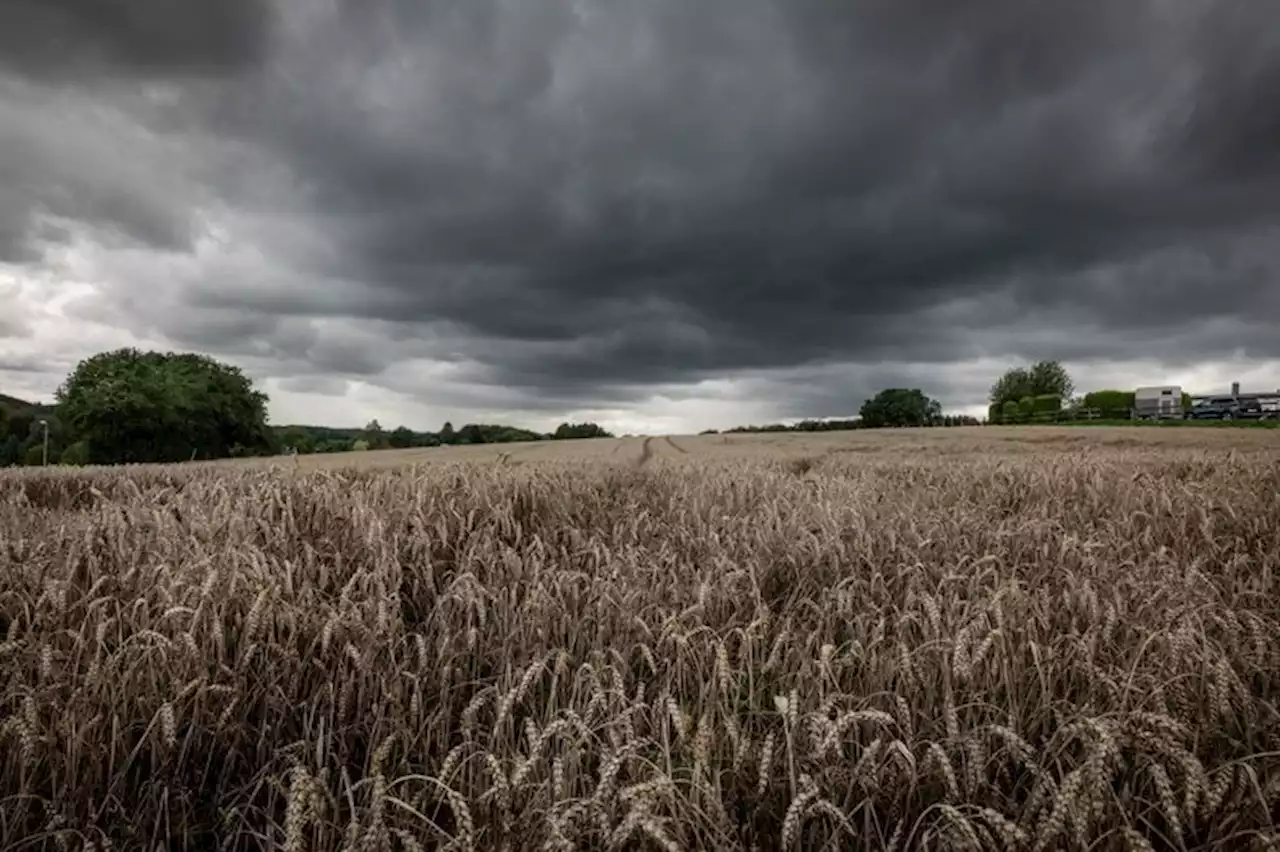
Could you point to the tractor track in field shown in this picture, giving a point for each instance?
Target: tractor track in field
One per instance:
(671, 443)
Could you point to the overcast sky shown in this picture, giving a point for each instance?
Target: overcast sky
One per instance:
(663, 215)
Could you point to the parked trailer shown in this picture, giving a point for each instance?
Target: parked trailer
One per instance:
(1162, 402)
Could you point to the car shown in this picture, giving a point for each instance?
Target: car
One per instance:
(1228, 408)
(1215, 408)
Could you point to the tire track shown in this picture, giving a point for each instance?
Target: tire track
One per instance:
(671, 443)
(646, 452)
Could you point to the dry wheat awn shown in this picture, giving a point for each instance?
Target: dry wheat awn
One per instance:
(982, 640)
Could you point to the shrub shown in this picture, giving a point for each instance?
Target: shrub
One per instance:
(1110, 403)
(359, 445)
(77, 454)
(1047, 406)
(1026, 409)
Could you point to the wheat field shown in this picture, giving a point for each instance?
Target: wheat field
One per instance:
(990, 638)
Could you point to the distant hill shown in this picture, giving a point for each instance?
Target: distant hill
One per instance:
(14, 404)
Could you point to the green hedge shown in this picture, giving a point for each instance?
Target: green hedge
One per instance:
(1047, 403)
(1110, 403)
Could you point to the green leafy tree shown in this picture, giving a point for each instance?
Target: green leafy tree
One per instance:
(447, 435)
(579, 430)
(1050, 378)
(401, 437)
(33, 456)
(1044, 378)
(299, 439)
(134, 406)
(470, 434)
(1011, 387)
(374, 436)
(359, 445)
(900, 407)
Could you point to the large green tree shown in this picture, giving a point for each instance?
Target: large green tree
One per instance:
(401, 437)
(900, 407)
(299, 439)
(374, 435)
(580, 430)
(134, 406)
(1044, 378)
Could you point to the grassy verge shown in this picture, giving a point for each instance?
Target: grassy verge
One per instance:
(1166, 424)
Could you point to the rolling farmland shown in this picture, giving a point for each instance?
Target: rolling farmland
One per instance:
(991, 638)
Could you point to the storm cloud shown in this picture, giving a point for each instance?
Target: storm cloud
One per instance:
(573, 204)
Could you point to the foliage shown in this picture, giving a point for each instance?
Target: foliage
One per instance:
(1050, 378)
(1047, 403)
(401, 438)
(1044, 378)
(10, 450)
(327, 439)
(134, 406)
(924, 642)
(1013, 385)
(360, 445)
(900, 407)
(373, 435)
(298, 439)
(1110, 403)
(20, 430)
(76, 454)
(579, 430)
(34, 455)
(1026, 409)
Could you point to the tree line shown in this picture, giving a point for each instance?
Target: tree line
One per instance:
(891, 407)
(129, 406)
(325, 439)
(1041, 392)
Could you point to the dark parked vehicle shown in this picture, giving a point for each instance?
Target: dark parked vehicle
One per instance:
(1225, 408)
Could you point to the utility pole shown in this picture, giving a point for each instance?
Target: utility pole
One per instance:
(44, 452)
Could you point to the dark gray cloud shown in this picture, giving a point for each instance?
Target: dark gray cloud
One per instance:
(322, 385)
(64, 39)
(589, 199)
